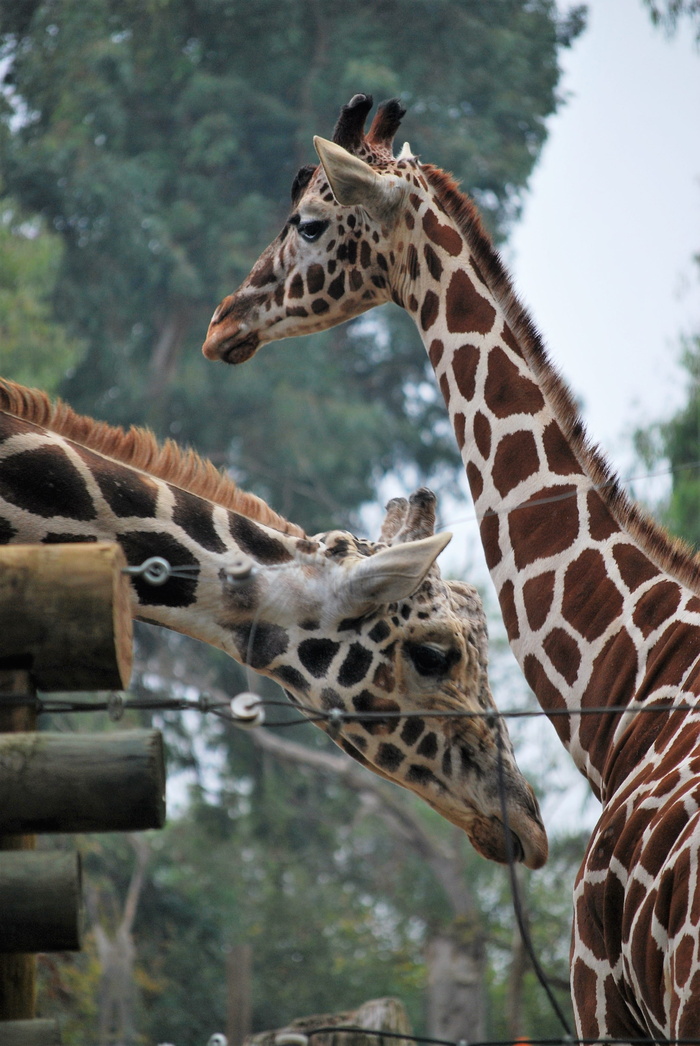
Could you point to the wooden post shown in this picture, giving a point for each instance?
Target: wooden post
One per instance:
(30, 1033)
(40, 901)
(65, 614)
(17, 972)
(112, 782)
(377, 1015)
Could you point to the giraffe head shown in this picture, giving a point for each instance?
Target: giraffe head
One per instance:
(415, 647)
(346, 246)
(365, 637)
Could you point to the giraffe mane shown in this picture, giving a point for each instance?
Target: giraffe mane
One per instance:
(138, 448)
(670, 553)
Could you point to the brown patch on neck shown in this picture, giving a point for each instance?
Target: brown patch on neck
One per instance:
(520, 334)
(139, 449)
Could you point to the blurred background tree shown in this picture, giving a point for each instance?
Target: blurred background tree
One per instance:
(159, 140)
(147, 150)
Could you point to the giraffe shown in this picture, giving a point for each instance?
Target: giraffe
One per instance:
(359, 627)
(600, 605)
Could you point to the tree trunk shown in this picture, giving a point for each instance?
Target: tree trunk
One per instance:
(239, 979)
(456, 960)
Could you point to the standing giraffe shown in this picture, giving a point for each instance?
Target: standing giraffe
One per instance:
(601, 606)
(338, 622)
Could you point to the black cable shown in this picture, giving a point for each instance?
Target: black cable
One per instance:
(515, 891)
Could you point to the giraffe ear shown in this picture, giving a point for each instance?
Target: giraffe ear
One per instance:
(355, 183)
(391, 574)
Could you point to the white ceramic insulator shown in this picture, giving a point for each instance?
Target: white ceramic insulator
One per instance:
(247, 710)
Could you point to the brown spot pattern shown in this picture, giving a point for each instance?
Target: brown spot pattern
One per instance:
(432, 261)
(601, 524)
(672, 655)
(464, 364)
(445, 389)
(476, 482)
(315, 278)
(591, 600)
(412, 263)
(506, 391)
(538, 593)
(435, 352)
(443, 235)
(506, 598)
(515, 459)
(509, 338)
(657, 605)
(635, 567)
(547, 694)
(458, 423)
(429, 310)
(564, 653)
(482, 434)
(489, 538)
(560, 458)
(467, 311)
(542, 528)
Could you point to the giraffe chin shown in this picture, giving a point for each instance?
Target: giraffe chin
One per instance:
(487, 836)
(233, 350)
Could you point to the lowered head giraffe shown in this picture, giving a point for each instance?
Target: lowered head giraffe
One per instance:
(340, 623)
(601, 606)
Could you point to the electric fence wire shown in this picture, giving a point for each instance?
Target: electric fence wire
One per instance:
(564, 1040)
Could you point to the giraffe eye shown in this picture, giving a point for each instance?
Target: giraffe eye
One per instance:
(312, 230)
(429, 660)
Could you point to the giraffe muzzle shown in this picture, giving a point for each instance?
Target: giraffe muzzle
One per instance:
(230, 348)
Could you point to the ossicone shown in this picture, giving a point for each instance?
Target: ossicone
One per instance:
(350, 128)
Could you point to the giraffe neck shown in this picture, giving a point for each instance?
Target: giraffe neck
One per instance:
(577, 567)
(55, 490)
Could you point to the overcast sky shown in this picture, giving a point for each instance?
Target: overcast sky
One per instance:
(603, 255)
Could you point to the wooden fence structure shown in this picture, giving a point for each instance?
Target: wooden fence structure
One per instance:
(65, 625)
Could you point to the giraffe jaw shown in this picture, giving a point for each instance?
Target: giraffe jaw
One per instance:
(234, 349)
(528, 838)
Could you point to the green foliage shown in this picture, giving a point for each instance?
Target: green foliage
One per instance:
(677, 442)
(34, 348)
(145, 135)
(670, 13)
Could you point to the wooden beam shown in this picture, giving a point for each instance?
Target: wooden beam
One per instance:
(109, 782)
(40, 901)
(17, 972)
(30, 1033)
(65, 615)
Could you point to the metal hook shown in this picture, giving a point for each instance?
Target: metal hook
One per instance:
(154, 570)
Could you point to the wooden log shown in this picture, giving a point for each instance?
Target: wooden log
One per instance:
(40, 901)
(111, 782)
(376, 1016)
(17, 972)
(65, 614)
(30, 1033)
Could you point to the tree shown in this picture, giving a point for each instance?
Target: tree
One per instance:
(677, 443)
(669, 13)
(145, 136)
(36, 348)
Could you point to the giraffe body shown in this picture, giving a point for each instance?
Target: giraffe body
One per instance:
(340, 623)
(600, 605)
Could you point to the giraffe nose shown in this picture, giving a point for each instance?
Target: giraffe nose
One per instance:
(228, 340)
